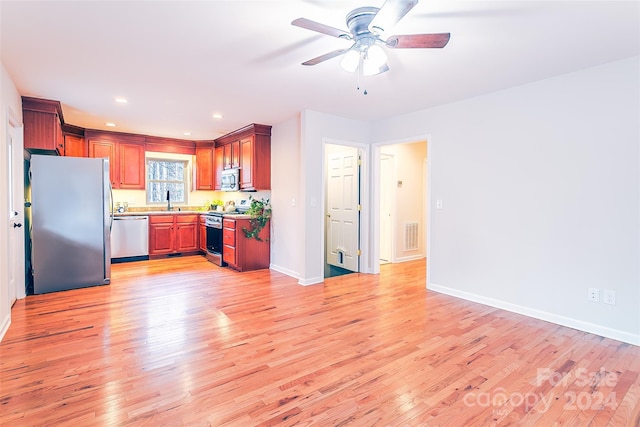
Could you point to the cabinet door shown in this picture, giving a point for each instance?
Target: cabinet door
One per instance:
(75, 146)
(235, 154)
(161, 238)
(106, 149)
(218, 164)
(186, 237)
(131, 166)
(186, 233)
(204, 169)
(229, 255)
(42, 131)
(246, 164)
(226, 156)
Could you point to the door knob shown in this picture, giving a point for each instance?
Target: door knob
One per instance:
(17, 225)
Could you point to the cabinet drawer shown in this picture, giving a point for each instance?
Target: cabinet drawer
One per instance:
(229, 223)
(229, 254)
(189, 219)
(156, 219)
(229, 237)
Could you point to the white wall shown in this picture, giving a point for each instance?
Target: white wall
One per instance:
(316, 130)
(540, 187)
(286, 222)
(9, 99)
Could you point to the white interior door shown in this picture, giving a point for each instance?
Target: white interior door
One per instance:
(342, 208)
(386, 208)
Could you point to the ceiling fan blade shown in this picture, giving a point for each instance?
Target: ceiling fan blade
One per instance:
(418, 41)
(324, 57)
(320, 28)
(390, 13)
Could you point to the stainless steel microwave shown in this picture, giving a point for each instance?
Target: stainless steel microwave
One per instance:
(230, 180)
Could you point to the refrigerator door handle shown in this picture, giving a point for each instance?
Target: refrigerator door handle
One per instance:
(112, 212)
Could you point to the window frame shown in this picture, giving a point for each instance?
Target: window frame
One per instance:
(184, 181)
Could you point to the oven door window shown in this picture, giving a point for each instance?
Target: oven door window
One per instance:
(214, 240)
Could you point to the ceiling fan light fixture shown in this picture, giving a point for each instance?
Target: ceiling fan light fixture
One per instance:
(376, 55)
(350, 60)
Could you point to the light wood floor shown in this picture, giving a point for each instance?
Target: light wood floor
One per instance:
(182, 342)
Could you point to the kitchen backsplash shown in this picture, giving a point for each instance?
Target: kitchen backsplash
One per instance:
(137, 199)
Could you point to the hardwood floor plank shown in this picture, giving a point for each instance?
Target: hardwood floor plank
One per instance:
(182, 342)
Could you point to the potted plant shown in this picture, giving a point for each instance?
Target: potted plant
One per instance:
(260, 212)
(217, 203)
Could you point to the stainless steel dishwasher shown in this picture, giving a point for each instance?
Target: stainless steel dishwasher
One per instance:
(130, 237)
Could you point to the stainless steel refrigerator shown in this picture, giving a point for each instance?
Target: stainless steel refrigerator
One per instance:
(71, 215)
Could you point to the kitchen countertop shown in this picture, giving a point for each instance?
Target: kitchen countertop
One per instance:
(234, 215)
(176, 212)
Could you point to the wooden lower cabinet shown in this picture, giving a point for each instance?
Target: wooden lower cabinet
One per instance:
(241, 253)
(202, 231)
(173, 234)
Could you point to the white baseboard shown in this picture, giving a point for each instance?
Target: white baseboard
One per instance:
(542, 315)
(295, 275)
(311, 281)
(4, 326)
(409, 258)
(283, 270)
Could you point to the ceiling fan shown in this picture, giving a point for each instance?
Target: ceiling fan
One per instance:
(367, 26)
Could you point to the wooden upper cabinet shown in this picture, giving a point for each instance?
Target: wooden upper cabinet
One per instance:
(75, 146)
(204, 168)
(231, 155)
(218, 166)
(132, 166)
(42, 119)
(246, 164)
(253, 144)
(126, 157)
(106, 150)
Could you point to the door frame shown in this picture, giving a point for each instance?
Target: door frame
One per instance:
(15, 129)
(392, 190)
(374, 231)
(365, 264)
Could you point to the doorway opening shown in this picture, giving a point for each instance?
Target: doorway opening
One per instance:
(403, 202)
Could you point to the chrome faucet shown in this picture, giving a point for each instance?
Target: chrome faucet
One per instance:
(168, 200)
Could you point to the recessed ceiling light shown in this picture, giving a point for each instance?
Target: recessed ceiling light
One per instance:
(187, 134)
(121, 100)
(217, 116)
(110, 124)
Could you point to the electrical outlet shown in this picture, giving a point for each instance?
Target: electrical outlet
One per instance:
(593, 295)
(609, 297)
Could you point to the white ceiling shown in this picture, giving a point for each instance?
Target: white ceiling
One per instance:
(178, 62)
